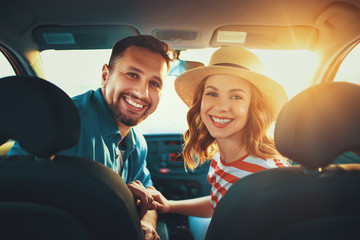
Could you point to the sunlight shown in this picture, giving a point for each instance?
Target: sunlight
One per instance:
(293, 69)
(349, 69)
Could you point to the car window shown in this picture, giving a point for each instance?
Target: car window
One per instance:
(5, 67)
(5, 70)
(76, 71)
(349, 70)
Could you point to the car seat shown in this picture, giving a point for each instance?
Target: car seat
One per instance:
(46, 196)
(314, 199)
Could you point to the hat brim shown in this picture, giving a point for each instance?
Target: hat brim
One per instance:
(273, 93)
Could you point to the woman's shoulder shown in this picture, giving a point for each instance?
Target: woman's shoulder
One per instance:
(270, 162)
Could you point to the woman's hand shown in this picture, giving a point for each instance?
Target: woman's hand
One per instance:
(163, 205)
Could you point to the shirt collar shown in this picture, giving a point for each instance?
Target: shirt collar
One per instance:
(130, 140)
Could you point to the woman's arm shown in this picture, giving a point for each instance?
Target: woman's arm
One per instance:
(199, 207)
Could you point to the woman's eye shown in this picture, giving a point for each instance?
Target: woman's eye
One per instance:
(211, 94)
(236, 97)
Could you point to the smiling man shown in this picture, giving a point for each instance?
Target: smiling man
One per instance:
(130, 91)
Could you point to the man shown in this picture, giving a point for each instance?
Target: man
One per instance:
(130, 91)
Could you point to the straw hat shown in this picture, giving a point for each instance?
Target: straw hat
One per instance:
(234, 61)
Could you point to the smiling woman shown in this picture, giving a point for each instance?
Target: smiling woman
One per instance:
(76, 71)
(301, 43)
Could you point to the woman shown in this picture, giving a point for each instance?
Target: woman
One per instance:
(232, 106)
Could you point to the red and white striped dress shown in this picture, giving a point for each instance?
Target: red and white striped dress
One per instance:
(222, 175)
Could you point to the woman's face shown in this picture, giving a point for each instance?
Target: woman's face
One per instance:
(225, 105)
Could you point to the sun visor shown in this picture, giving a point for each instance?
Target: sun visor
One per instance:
(336, 17)
(265, 37)
(81, 37)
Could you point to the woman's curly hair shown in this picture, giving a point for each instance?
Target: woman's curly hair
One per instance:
(200, 146)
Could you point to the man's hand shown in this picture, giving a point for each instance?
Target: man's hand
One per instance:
(142, 196)
(149, 231)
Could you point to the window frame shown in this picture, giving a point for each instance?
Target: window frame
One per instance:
(335, 64)
(13, 60)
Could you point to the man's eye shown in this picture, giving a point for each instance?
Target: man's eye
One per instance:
(132, 75)
(155, 84)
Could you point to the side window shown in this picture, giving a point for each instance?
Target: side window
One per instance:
(349, 70)
(5, 70)
(5, 67)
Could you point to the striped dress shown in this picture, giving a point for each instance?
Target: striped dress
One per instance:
(222, 175)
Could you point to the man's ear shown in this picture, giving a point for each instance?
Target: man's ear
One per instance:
(105, 74)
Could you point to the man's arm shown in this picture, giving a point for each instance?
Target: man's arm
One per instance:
(147, 214)
(148, 224)
(143, 198)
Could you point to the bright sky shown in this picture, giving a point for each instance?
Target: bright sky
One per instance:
(349, 70)
(5, 67)
(78, 71)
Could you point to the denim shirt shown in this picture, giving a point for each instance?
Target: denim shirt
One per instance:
(100, 137)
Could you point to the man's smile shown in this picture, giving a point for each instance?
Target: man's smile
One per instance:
(132, 103)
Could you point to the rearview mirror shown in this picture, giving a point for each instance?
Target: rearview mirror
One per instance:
(179, 66)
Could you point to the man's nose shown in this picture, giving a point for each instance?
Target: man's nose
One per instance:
(141, 89)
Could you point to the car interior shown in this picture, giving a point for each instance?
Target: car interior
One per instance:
(52, 52)
(50, 196)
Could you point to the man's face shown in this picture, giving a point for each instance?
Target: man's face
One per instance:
(133, 88)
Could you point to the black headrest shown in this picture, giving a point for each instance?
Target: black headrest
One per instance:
(38, 114)
(319, 124)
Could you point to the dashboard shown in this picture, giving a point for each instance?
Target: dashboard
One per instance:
(167, 168)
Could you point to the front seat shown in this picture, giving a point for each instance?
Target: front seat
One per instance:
(46, 196)
(314, 199)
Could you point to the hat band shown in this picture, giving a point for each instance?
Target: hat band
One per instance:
(231, 65)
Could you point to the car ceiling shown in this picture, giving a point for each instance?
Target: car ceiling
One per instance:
(320, 25)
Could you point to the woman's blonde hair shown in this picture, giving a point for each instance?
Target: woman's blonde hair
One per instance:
(200, 146)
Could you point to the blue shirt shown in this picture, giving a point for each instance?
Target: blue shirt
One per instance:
(99, 141)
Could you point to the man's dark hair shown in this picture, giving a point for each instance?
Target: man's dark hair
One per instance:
(146, 41)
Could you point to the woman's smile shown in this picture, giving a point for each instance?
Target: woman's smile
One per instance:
(220, 122)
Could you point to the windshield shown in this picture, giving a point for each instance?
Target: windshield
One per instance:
(77, 71)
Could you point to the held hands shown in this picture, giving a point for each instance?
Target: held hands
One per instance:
(163, 205)
(143, 197)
